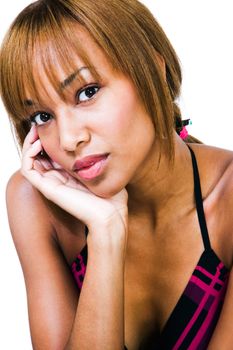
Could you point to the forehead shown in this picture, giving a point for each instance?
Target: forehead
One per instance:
(58, 68)
(66, 61)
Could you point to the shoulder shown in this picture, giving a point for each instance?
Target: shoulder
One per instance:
(212, 154)
(33, 218)
(215, 166)
(216, 170)
(18, 186)
(28, 215)
(25, 203)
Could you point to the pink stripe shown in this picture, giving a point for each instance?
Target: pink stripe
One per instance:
(203, 285)
(206, 273)
(209, 291)
(204, 327)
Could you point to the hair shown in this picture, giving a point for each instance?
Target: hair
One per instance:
(126, 31)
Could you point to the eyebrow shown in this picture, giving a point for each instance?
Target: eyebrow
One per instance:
(66, 82)
(71, 78)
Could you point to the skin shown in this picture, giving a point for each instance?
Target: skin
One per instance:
(139, 215)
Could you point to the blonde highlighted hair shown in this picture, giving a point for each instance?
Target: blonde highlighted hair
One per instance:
(128, 35)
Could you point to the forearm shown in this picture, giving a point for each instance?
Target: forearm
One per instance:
(99, 321)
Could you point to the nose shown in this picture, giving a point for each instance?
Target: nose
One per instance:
(71, 132)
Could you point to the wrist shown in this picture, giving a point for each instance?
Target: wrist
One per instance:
(111, 238)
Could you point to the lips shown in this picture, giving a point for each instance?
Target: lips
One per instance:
(90, 167)
(88, 161)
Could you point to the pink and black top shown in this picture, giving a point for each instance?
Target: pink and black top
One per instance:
(193, 319)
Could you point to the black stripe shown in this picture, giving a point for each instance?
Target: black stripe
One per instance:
(202, 277)
(193, 331)
(179, 317)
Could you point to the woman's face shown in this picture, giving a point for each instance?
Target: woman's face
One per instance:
(103, 118)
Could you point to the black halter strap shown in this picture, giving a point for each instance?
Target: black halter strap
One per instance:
(199, 203)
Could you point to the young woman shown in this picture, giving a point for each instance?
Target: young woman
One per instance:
(122, 228)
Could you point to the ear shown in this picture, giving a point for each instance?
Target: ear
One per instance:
(161, 62)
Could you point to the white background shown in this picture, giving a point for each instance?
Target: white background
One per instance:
(201, 32)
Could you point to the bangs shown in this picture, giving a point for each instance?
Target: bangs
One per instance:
(45, 39)
(46, 47)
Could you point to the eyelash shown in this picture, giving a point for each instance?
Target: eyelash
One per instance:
(85, 88)
(79, 92)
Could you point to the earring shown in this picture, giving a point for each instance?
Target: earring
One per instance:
(42, 153)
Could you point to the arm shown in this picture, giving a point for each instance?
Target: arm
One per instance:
(97, 320)
(57, 319)
(51, 293)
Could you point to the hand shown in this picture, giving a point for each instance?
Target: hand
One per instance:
(67, 192)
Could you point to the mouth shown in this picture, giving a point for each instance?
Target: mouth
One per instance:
(90, 167)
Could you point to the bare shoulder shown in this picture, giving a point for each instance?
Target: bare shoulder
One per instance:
(29, 221)
(213, 154)
(26, 207)
(216, 169)
(33, 217)
(221, 163)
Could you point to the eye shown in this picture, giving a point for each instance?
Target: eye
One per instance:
(41, 118)
(87, 93)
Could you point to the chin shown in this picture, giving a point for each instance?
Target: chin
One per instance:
(106, 194)
(104, 190)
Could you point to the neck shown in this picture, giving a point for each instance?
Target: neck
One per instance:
(157, 190)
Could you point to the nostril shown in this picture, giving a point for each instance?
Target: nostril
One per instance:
(70, 141)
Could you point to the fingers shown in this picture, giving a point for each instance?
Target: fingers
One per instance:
(55, 165)
(46, 163)
(29, 155)
(31, 137)
(39, 166)
(31, 147)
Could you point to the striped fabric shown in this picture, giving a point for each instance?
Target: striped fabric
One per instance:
(192, 322)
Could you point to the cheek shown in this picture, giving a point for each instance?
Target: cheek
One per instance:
(131, 123)
(121, 114)
(49, 143)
